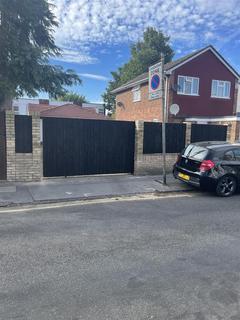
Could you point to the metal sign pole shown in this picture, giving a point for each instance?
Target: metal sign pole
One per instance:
(163, 122)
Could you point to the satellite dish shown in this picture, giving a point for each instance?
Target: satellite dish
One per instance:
(174, 109)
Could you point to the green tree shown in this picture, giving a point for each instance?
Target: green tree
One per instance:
(108, 97)
(26, 44)
(73, 97)
(144, 53)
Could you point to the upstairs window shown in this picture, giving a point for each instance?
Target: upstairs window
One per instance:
(188, 85)
(221, 89)
(136, 94)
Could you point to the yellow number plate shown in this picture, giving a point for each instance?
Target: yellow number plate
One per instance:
(184, 176)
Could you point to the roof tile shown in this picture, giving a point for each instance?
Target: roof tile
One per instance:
(72, 111)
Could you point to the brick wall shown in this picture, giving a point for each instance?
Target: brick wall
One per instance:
(153, 163)
(28, 166)
(23, 166)
(147, 110)
(3, 163)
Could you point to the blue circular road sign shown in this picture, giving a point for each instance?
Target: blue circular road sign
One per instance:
(155, 82)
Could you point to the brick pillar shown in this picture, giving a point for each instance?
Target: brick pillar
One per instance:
(10, 146)
(139, 135)
(37, 150)
(229, 132)
(237, 131)
(23, 166)
(188, 132)
(233, 131)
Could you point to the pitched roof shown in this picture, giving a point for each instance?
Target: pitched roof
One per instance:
(143, 78)
(72, 111)
(39, 107)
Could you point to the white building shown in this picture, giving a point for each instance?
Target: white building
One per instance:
(20, 106)
(97, 106)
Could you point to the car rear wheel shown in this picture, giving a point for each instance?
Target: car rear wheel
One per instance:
(226, 186)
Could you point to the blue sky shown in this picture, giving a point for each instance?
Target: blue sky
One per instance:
(95, 35)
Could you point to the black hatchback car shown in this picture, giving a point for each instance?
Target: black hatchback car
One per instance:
(210, 166)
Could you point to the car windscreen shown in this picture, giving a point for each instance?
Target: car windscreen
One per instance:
(195, 152)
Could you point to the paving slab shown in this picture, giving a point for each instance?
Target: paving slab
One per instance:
(96, 188)
(20, 196)
(7, 187)
(173, 185)
(52, 190)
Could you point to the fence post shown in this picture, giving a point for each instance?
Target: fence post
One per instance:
(188, 132)
(139, 135)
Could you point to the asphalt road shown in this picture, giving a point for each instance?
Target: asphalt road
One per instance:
(173, 258)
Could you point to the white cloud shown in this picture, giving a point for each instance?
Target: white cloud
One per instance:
(93, 76)
(80, 56)
(209, 35)
(86, 23)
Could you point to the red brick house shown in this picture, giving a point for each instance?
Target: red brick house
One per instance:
(203, 84)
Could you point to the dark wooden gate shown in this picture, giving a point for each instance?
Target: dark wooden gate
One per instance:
(83, 147)
(208, 132)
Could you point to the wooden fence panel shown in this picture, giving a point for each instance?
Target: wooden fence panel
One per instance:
(208, 132)
(175, 137)
(23, 134)
(3, 157)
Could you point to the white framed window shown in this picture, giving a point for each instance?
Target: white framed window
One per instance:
(221, 89)
(136, 91)
(188, 85)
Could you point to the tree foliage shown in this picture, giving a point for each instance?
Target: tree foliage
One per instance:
(26, 44)
(73, 97)
(144, 53)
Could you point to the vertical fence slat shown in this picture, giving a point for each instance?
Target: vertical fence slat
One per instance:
(23, 134)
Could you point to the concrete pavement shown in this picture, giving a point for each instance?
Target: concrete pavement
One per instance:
(86, 188)
(171, 259)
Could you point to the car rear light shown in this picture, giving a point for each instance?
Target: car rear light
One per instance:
(206, 165)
